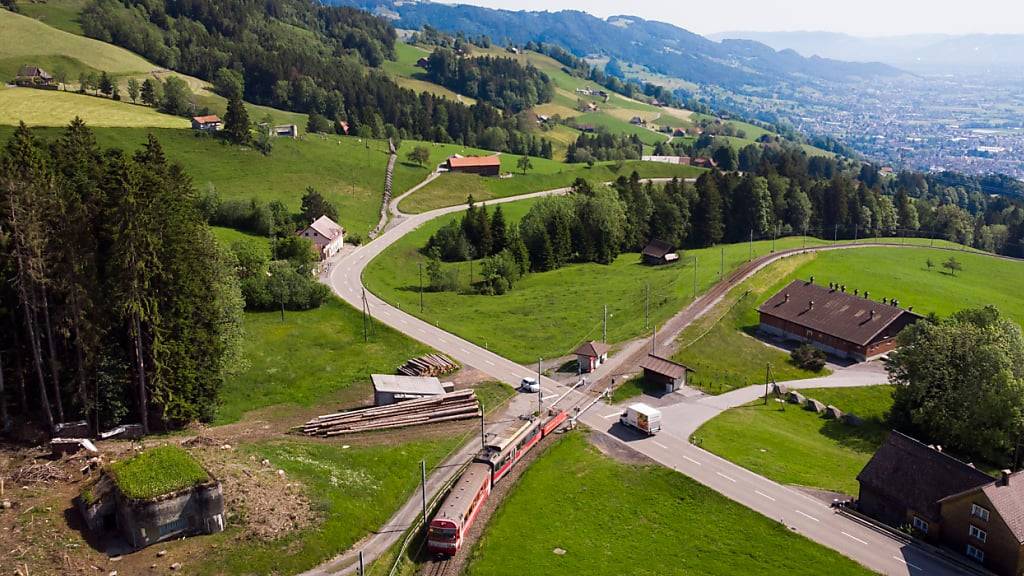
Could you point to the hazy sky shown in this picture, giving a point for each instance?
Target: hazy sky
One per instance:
(862, 18)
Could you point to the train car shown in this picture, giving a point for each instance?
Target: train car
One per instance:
(459, 510)
(554, 422)
(501, 453)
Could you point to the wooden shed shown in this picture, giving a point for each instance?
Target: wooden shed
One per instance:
(664, 373)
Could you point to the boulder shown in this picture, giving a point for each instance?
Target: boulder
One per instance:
(780, 389)
(833, 412)
(852, 419)
(814, 405)
(796, 398)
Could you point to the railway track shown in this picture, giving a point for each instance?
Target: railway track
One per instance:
(439, 567)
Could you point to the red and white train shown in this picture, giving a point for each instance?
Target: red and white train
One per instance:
(466, 498)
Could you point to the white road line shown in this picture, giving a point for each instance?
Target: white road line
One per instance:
(902, 561)
(722, 475)
(403, 320)
(610, 416)
(660, 445)
(550, 396)
(442, 340)
(694, 461)
(762, 494)
(805, 515)
(489, 362)
(464, 351)
(852, 537)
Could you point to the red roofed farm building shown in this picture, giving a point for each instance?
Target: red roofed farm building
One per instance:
(482, 165)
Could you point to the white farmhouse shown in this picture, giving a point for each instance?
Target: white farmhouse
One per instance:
(327, 235)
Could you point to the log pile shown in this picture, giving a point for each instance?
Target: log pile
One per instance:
(429, 365)
(458, 405)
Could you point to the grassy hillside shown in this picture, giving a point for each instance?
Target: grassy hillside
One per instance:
(26, 40)
(61, 14)
(54, 108)
(616, 518)
(404, 71)
(795, 446)
(346, 170)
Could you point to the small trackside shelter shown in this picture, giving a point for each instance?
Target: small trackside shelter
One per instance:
(590, 355)
(390, 388)
(662, 372)
(658, 252)
(482, 165)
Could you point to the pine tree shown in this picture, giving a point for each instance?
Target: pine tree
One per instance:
(708, 226)
(150, 94)
(134, 90)
(105, 86)
(499, 231)
(236, 122)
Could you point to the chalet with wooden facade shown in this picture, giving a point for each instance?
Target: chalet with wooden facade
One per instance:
(844, 324)
(482, 165)
(327, 235)
(35, 77)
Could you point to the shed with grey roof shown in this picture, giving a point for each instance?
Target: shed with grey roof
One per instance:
(390, 388)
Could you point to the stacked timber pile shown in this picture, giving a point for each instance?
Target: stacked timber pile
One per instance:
(429, 365)
(445, 408)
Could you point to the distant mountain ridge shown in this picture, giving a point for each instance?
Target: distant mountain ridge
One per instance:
(663, 48)
(932, 52)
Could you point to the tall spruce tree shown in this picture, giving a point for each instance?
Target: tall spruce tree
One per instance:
(237, 128)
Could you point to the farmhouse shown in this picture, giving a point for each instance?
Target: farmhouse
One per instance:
(657, 253)
(327, 235)
(209, 123)
(637, 121)
(659, 371)
(482, 165)
(390, 389)
(986, 523)
(34, 77)
(190, 503)
(590, 355)
(830, 318)
(683, 160)
(905, 481)
(705, 163)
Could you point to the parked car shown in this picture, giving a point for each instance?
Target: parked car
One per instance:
(529, 384)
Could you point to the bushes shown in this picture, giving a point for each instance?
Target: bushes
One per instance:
(808, 357)
(287, 281)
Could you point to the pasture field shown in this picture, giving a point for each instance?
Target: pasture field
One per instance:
(548, 314)
(404, 72)
(453, 189)
(344, 169)
(794, 446)
(312, 357)
(899, 273)
(61, 14)
(57, 108)
(637, 519)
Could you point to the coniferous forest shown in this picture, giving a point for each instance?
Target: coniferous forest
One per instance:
(116, 302)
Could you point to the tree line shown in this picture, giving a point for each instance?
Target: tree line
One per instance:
(501, 82)
(117, 302)
(332, 72)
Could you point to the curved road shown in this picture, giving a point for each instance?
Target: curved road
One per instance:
(671, 448)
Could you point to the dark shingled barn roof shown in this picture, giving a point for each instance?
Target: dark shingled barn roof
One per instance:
(834, 312)
(664, 367)
(657, 249)
(917, 475)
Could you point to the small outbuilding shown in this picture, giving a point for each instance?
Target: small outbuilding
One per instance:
(285, 131)
(665, 373)
(327, 235)
(590, 355)
(208, 123)
(657, 253)
(482, 165)
(391, 388)
(160, 494)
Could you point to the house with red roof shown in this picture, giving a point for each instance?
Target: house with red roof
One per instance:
(208, 123)
(482, 165)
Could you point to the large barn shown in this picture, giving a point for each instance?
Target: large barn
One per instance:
(482, 165)
(844, 324)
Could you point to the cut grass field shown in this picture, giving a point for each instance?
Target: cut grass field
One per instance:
(615, 518)
(342, 168)
(884, 272)
(57, 108)
(453, 189)
(548, 314)
(312, 357)
(355, 489)
(794, 446)
(156, 472)
(404, 72)
(61, 14)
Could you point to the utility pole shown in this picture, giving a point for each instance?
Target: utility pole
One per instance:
(721, 265)
(421, 287)
(775, 234)
(835, 238)
(694, 277)
(750, 254)
(483, 435)
(647, 305)
(540, 391)
(856, 230)
(767, 373)
(654, 340)
(423, 491)
(361, 567)
(366, 310)
(604, 329)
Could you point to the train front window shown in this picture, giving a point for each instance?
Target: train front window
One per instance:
(438, 533)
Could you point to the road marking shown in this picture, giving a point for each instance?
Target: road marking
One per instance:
(464, 351)
(805, 515)
(902, 561)
(722, 475)
(610, 416)
(694, 461)
(762, 494)
(660, 445)
(852, 537)
(442, 340)
(403, 320)
(550, 396)
(489, 362)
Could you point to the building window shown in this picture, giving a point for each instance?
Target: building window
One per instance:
(979, 512)
(975, 553)
(173, 527)
(920, 525)
(978, 533)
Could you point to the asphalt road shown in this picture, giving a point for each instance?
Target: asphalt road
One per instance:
(671, 448)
